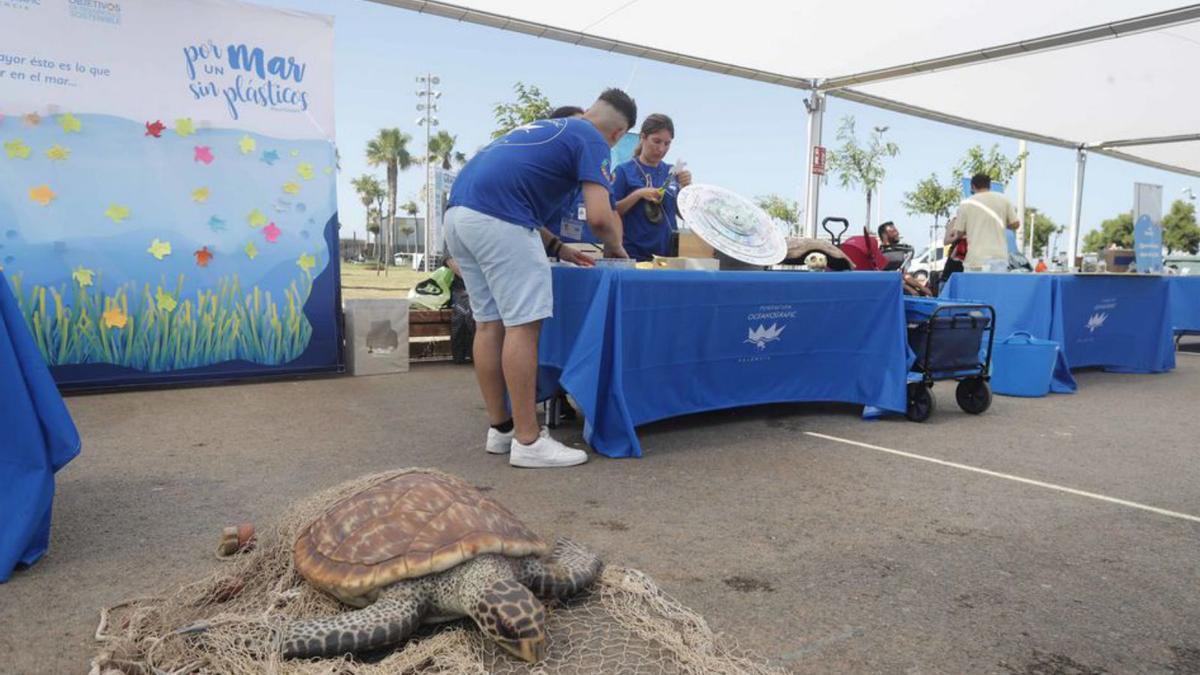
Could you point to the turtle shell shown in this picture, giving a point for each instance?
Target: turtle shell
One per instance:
(407, 526)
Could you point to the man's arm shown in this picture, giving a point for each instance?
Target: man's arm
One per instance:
(605, 223)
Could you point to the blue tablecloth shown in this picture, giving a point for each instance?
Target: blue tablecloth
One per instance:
(1118, 322)
(1185, 304)
(634, 346)
(37, 438)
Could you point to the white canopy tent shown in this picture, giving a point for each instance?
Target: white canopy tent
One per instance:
(1105, 76)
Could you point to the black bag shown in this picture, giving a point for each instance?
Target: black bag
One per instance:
(462, 323)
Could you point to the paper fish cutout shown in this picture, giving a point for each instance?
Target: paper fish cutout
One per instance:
(203, 154)
(300, 207)
(16, 149)
(42, 194)
(115, 317)
(291, 188)
(33, 119)
(159, 249)
(305, 171)
(304, 233)
(256, 219)
(294, 153)
(166, 301)
(117, 213)
(155, 128)
(269, 157)
(327, 170)
(203, 256)
(200, 195)
(83, 276)
(216, 224)
(58, 153)
(281, 205)
(246, 145)
(70, 124)
(271, 232)
(306, 262)
(251, 250)
(185, 127)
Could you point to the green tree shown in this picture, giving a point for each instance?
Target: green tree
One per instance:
(1118, 230)
(390, 149)
(782, 209)
(370, 191)
(931, 198)
(441, 150)
(993, 163)
(1043, 229)
(1180, 233)
(531, 105)
(410, 207)
(858, 166)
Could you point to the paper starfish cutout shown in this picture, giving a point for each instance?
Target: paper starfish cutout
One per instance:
(184, 126)
(115, 317)
(58, 153)
(166, 301)
(305, 171)
(33, 119)
(251, 250)
(306, 262)
(42, 194)
(83, 276)
(291, 188)
(216, 224)
(269, 157)
(203, 153)
(117, 213)
(246, 145)
(155, 128)
(203, 256)
(200, 195)
(16, 149)
(271, 233)
(70, 124)
(256, 219)
(159, 249)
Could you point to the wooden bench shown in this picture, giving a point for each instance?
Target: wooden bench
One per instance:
(429, 334)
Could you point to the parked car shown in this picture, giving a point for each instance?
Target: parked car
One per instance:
(1183, 264)
(929, 262)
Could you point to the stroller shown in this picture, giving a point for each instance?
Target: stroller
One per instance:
(860, 252)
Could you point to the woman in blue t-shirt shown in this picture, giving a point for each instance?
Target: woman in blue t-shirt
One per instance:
(646, 191)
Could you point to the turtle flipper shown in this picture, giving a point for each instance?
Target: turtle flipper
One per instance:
(567, 570)
(386, 622)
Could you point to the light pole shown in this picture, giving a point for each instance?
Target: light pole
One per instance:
(879, 188)
(427, 106)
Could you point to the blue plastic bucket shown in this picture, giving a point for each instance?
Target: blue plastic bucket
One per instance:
(1023, 365)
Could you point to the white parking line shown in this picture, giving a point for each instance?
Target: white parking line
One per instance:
(1018, 479)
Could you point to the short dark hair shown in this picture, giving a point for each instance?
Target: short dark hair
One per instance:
(981, 181)
(565, 111)
(621, 101)
(883, 228)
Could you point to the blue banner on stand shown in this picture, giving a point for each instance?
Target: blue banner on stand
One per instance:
(1147, 228)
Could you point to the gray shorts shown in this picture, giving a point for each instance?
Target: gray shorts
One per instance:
(503, 265)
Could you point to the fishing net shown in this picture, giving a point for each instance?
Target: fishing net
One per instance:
(623, 624)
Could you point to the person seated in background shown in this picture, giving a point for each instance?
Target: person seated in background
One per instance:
(646, 192)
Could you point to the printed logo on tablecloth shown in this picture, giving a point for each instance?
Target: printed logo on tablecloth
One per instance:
(766, 326)
(1096, 320)
(762, 336)
(1101, 311)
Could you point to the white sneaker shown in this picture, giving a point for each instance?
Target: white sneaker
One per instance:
(498, 442)
(545, 453)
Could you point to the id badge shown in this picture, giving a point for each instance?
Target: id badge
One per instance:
(581, 214)
(572, 229)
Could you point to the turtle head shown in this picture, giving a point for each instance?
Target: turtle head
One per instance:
(512, 616)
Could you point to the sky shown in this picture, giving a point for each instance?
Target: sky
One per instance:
(749, 137)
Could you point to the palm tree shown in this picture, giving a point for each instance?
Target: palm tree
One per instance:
(441, 150)
(390, 148)
(370, 192)
(410, 207)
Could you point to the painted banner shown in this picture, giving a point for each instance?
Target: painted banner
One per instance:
(167, 187)
(1147, 228)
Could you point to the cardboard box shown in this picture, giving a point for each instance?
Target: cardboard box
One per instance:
(1118, 259)
(710, 264)
(692, 246)
(376, 336)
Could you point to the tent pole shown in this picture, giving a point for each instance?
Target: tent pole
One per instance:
(1026, 229)
(812, 194)
(1076, 208)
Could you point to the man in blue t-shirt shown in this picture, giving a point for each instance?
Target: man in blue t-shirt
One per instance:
(499, 205)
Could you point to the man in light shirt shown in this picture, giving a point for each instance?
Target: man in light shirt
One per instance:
(982, 219)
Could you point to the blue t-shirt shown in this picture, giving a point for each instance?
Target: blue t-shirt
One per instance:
(526, 176)
(644, 239)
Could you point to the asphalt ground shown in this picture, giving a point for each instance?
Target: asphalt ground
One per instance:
(815, 540)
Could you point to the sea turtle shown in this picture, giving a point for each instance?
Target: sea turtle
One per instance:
(424, 546)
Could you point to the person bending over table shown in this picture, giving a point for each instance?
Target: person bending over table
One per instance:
(499, 203)
(574, 209)
(646, 194)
